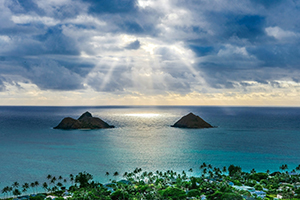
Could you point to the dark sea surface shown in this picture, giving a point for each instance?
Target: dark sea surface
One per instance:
(251, 137)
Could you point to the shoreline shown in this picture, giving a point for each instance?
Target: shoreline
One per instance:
(252, 184)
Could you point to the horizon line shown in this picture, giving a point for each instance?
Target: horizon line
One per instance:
(270, 106)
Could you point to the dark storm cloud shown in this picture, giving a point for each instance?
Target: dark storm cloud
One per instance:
(245, 26)
(55, 42)
(2, 86)
(134, 45)
(24, 6)
(202, 50)
(45, 8)
(48, 74)
(280, 55)
(268, 3)
(111, 6)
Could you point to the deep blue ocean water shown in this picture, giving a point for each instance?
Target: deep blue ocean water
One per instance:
(251, 137)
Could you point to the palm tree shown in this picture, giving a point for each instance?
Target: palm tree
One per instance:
(224, 169)
(5, 190)
(211, 174)
(53, 180)
(283, 167)
(59, 185)
(116, 174)
(49, 177)
(16, 192)
(298, 167)
(10, 189)
(25, 187)
(32, 185)
(72, 178)
(15, 184)
(107, 174)
(36, 183)
(54, 188)
(190, 170)
(45, 186)
(204, 171)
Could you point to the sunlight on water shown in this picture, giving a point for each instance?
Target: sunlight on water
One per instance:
(147, 115)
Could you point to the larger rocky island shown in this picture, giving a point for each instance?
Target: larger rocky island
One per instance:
(192, 121)
(85, 121)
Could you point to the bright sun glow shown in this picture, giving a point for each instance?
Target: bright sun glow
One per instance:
(148, 115)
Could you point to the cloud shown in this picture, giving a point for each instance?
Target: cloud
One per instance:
(268, 4)
(27, 19)
(280, 34)
(112, 6)
(149, 47)
(134, 45)
(2, 86)
(48, 74)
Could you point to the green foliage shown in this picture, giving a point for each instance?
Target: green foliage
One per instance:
(258, 187)
(216, 195)
(225, 188)
(245, 193)
(231, 196)
(264, 181)
(234, 170)
(250, 183)
(119, 194)
(83, 179)
(237, 182)
(58, 193)
(194, 185)
(194, 193)
(173, 193)
(259, 176)
(91, 193)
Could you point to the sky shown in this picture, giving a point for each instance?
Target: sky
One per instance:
(150, 52)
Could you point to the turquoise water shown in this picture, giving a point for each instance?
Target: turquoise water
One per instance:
(260, 138)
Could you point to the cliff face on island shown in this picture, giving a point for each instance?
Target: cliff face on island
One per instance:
(192, 121)
(85, 121)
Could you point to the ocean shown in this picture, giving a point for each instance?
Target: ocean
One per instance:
(250, 137)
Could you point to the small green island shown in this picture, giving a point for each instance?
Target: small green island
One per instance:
(191, 121)
(85, 121)
(213, 184)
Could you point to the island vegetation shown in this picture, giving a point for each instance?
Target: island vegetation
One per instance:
(191, 121)
(85, 121)
(214, 183)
